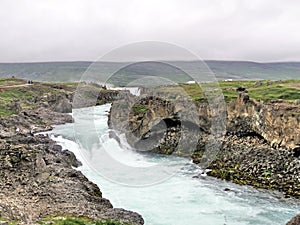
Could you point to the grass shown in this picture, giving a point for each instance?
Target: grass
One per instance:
(4, 112)
(19, 94)
(11, 81)
(10, 222)
(268, 91)
(71, 220)
(137, 108)
(27, 95)
(260, 90)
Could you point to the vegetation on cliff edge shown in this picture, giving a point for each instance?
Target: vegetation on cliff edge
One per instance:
(14, 92)
(72, 220)
(288, 90)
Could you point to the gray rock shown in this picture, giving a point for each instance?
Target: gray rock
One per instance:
(294, 221)
(3, 223)
(62, 105)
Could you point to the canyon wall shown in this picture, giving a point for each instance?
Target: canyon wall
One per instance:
(260, 146)
(276, 122)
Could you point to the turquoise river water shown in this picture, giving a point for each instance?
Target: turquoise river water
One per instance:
(163, 189)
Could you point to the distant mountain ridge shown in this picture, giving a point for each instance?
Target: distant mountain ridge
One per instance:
(73, 71)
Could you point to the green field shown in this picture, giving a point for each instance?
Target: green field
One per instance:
(288, 90)
(25, 95)
(11, 81)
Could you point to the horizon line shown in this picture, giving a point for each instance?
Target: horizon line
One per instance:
(205, 60)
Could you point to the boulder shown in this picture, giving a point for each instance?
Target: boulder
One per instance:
(62, 105)
(3, 223)
(241, 89)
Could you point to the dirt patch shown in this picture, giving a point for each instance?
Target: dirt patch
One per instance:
(296, 86)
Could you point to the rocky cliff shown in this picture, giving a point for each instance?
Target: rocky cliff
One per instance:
(277, 122)
(260, 146)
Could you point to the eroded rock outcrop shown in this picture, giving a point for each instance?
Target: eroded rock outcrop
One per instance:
(37, 180)
(156, 125)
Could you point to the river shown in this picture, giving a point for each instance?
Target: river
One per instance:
(163, 197)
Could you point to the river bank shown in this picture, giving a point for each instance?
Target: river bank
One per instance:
(38, 181)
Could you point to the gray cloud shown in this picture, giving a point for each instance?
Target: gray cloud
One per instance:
(55, 30)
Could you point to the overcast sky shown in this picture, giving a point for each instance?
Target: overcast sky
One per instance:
(67, 30)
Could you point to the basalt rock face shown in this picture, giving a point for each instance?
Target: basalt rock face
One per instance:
(277, 122)
(260, 146)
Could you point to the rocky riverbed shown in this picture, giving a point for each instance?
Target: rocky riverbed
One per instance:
(37, 177)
